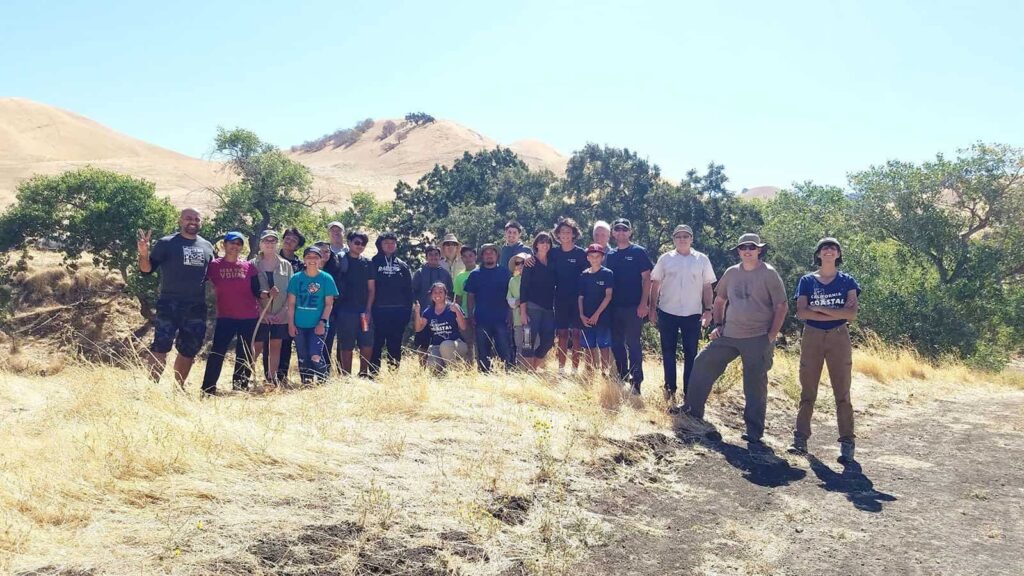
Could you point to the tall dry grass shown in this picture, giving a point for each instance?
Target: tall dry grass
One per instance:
(101, 469)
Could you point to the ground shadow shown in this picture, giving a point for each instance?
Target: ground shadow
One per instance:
(761, 467)
(852, 483)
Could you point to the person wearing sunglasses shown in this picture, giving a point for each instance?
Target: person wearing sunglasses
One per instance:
(750, 306)
(352, 311)
(273, 274)
(631, 266)
(826, 300)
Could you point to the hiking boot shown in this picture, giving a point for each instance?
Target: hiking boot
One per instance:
(799, 445)
(753, 442)
(698, 426)
(846, 450)
(634, 390)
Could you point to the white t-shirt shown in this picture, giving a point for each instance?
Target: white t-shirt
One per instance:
(682, 281)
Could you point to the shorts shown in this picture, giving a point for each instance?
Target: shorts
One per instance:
(597, 337)
(271, 332)
(349, 330)
(181, 324)
(422, 338)
(567, 315)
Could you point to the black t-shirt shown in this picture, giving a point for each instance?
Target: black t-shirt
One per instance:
(568, 266)
(592, 288)
(295, 261)
(628, 264)
(393, 281)
(182, 264)
(538, 284)
(355, 283)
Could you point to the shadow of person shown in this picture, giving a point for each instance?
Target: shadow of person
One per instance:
(852, 483)
(761, 466)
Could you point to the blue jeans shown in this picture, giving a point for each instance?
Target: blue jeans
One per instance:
(491, 339)
(307, 346)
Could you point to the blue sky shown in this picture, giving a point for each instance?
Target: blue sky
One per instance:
(776, 91)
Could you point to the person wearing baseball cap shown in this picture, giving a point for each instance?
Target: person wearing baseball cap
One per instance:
(486, 299)
(826, 300)
(631, 267)
(595, 288)
(311, 296)
(273, 273)
(681, 299)
(757, 306)
(182, 259)
(450, 257)
(237, 287)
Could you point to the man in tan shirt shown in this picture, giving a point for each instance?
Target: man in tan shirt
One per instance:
(750, 307)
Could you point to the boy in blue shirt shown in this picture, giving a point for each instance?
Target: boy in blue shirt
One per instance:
(595, 294)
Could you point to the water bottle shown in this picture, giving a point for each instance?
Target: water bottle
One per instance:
(526, 336)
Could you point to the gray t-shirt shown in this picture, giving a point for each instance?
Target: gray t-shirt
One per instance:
(752, 296)
(182, 264)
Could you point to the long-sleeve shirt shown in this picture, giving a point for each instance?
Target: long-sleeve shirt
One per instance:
(539, 284)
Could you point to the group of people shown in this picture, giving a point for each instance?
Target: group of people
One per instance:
(516, 304)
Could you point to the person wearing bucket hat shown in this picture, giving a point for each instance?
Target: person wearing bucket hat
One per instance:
(451, 259)
(631, 266)
(237, 286)
(681, 298)
(749, 309)
(487, 293)
(826, 300)
(182, 259)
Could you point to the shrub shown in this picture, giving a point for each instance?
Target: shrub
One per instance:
(387, 130)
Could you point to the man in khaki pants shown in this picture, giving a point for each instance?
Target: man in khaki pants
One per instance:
(750, 307)
(826, 300)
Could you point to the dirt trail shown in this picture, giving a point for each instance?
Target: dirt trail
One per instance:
(939, 490)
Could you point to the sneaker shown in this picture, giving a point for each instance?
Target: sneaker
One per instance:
(751, 441)
(799, 445)
(846, 451)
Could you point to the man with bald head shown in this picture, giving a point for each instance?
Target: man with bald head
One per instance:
(182, 259)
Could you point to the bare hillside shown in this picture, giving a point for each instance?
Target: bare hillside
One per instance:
(40, 139)
(376, 163)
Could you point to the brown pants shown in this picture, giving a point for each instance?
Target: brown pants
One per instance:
(832, 347)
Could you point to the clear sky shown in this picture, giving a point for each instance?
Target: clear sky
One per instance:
(776, 91)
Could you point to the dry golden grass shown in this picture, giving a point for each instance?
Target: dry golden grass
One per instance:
(101, 469)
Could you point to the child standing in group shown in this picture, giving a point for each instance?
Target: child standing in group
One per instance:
(595, 294)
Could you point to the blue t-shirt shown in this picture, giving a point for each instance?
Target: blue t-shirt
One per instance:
(310, 293)
(831, 295)
(568, 267)
(443, 326)
(628, 264)
(489, 287)
(592, 288)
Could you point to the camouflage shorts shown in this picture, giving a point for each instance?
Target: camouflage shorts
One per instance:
(182, 324)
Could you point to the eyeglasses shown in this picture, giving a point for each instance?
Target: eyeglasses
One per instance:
(357, 243)
(747, 247)
(270, 240)
(683, 237)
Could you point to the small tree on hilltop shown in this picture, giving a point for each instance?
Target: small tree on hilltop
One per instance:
(273, 189)
(419, 118)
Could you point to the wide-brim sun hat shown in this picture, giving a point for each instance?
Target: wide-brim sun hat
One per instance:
(750, 238)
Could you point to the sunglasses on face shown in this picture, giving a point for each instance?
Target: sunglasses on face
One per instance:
(829, 247)
(683, 237)
(270, 240)
(518, 263)
(357, 243)
(748, 247)
(620, 229)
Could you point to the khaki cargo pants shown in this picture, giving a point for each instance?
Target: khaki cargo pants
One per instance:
(831, 347)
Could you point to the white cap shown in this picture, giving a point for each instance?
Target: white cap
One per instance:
(336, 223)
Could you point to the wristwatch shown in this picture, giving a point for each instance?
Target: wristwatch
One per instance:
(324, 320)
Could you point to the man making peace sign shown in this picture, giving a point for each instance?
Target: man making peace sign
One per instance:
(181, 306)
